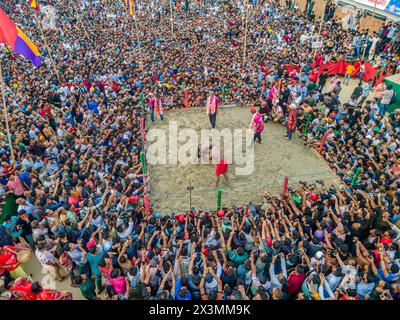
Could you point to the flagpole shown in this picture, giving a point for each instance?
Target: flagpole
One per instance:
(46, 45)
(6, 113)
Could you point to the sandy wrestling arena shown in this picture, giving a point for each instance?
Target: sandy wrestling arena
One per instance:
(275, 158)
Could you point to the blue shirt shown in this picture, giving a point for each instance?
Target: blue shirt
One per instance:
(11, 225)
(178, 286)
(93, 105)
(302, 91)
(391, 276)
(24, 177)
(364, 289)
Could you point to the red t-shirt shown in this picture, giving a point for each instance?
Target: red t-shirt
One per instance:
(313, 76)
(23, 289)
(8, 259)
(73, 201)
(386, 240)
(294, 283)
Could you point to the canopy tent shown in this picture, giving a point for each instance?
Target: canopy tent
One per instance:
(394, 80)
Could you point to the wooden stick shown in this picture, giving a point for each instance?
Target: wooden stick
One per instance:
(6, 113)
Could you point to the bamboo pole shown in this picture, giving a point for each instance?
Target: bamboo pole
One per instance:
(6, 113)
(47, 46)
(172, 20)
(78, 16)
(365, 46)
(138, 39)
(320, 26)
(245, 31)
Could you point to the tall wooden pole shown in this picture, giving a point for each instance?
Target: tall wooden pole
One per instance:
(138, 39)
(245, 9)
(320, 25)
(47, 46)
(365, 46)
(172, 20)
(78, 16)
(6, 113)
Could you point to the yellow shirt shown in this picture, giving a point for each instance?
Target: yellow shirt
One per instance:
(350, 69)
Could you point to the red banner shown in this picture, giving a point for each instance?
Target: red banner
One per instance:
(340, 68)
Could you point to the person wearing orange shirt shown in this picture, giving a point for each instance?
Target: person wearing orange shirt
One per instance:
(349, 71)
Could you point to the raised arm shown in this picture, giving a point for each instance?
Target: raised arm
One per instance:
(229, 243)
(252, 264)
(340, 261)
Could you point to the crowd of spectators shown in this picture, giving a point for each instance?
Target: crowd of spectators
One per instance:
(74, 187)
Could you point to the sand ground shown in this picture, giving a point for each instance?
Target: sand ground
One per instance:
(274, 158)
(273, 137)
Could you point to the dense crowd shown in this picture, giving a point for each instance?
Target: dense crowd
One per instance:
(74, 188)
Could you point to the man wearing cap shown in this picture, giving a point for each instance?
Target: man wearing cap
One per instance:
(212, 107)
(292, 121)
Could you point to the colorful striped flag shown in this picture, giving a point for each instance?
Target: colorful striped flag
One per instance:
(18, 41)
(129, 4)
(33, 4)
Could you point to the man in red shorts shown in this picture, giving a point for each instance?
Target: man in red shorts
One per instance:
(221, 168)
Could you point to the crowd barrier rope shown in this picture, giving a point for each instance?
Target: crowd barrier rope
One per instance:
(255, 183)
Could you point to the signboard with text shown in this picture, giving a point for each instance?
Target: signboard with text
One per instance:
(392, 6)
